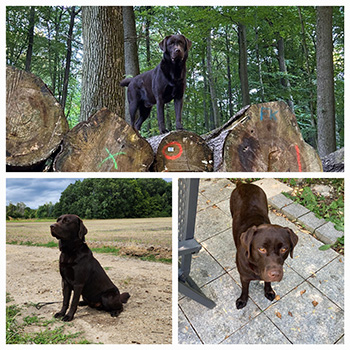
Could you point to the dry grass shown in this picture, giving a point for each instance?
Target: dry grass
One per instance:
(116, 232)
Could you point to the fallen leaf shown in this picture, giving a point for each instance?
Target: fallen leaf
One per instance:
(314, 303)
(278, 314)
(277, 297)
(290, 314)
(302, 292)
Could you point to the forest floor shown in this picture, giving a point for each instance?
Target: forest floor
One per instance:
(33, 278)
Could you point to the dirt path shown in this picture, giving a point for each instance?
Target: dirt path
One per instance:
(32, 276)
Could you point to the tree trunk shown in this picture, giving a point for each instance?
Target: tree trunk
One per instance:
(265, 137)
(103, 62)
(35, 122)
(258, 60)
(181, 151)
(243, 64)
(30, 39)
(68, 57)
(130, 50)
(229, 79)
(211, 82)
(283, 69)
(325, 82)
(309, 78)
(105, 142)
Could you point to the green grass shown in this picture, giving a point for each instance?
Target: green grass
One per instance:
(50, 244)
(16, 329)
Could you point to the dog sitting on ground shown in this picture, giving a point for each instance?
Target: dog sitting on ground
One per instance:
(82, 273)
(160, 85)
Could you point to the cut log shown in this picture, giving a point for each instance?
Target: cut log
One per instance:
(35, 122)
(105, 142)
(265, 138)
(181, 151)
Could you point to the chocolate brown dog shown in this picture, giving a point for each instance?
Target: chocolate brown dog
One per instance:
(82, 273)
(160, 85)
(262, 247)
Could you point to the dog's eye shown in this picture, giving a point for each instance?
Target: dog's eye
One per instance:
(262, 250)
(283, 250)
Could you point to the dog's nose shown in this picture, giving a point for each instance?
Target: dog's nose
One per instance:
(275, 275)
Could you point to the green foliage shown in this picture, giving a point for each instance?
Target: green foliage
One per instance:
(265, 25)
(16, 331)
(329, 209)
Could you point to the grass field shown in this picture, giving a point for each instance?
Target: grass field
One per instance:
(138, 237)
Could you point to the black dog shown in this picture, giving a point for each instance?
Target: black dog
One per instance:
(82, 273)
(160, 85)
(262, 247)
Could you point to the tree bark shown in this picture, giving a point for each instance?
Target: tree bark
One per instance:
(181, 151)
(263, 137)
(243, 64)
(30, 39)
(283, 69)
(130, 50)
(35, 122)
(211, 82)
(103, 62)
(105, 142)
(73, 13)
(229, 79)
(309, 78)
(325, 82)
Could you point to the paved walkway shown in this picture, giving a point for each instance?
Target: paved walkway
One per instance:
(309, 308)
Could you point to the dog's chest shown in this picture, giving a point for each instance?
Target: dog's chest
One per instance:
(67, 266)
(172, 91)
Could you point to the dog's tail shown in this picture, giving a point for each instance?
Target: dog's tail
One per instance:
(125, 82)
(124, 297)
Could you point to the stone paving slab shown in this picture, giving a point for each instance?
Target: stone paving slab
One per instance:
(327, 233)
(311, 222)
(319, 273)
(306, 316)
(294, 211)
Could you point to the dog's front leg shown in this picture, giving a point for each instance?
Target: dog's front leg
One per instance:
(241, 302)
(160, 115)
(67, 291)
(78, 288)
(178, 102)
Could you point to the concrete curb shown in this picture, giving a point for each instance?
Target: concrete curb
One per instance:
(322, 229)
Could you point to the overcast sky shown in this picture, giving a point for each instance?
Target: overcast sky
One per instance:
(36, 192)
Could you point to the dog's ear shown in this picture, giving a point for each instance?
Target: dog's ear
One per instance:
(162, 44)
(188, 43)
(82, 230)
(293, 240)
(246, 239)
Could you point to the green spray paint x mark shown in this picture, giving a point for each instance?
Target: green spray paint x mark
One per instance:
(111, 156)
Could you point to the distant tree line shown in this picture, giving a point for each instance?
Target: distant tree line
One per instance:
(105, 199)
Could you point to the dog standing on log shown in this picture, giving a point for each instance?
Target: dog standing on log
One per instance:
(160, 85)
(262, 247)
(81, 273)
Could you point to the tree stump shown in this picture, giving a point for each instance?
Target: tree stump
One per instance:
(35, 122)
(105, 142)
(181, 151)
(267, 138)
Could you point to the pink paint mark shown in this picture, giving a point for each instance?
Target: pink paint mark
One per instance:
(298, 157)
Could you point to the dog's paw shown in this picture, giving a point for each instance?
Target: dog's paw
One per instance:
(270, 295)
(67, 318)
(240, 303)
(59, 314)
